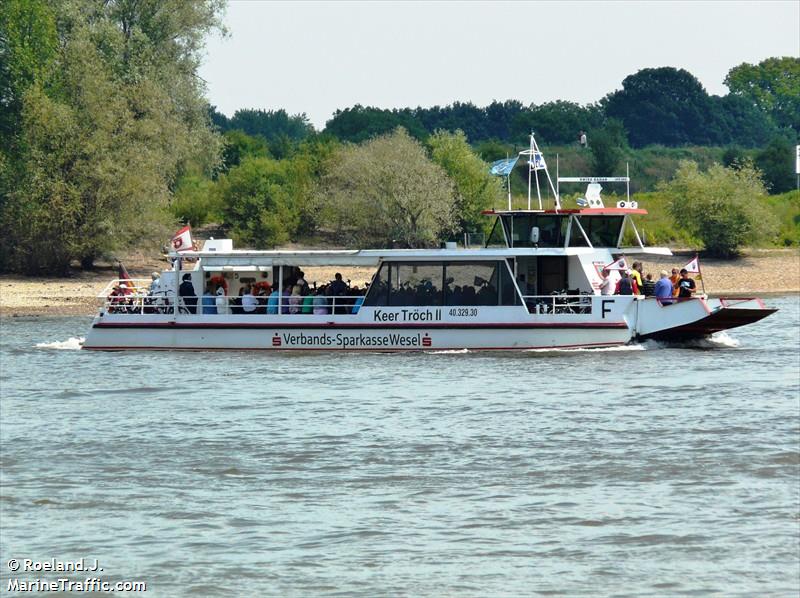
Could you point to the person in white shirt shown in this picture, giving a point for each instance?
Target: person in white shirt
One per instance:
(606, 287)
(249, 302)
(155, 285)
(222, 301)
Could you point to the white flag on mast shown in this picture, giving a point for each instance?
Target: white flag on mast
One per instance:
(620, 264)
(182, 240)
(693, 267)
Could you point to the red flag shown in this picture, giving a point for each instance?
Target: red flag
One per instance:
(182, 240)
(125, 280)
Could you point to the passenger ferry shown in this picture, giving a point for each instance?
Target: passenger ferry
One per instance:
(534, 284)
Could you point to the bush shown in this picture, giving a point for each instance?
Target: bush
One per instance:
(257, 202)
(724, 207)
(195, 201)
(387, 192)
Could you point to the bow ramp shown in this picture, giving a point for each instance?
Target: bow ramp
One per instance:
(678, 320)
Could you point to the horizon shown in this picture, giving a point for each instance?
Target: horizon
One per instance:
(452, 60)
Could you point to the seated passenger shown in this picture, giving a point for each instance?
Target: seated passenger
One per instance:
(469, 296)
(221, 301)
(487, 295)
(209, 303)
(296, 299)
(249, 302)
(308, 304)
(301, 280)
(321, 301)
(287, 293)
(272, 302)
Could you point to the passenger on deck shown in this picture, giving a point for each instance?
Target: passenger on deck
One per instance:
(272, 302)
(337, 288)
(249, 302)
(296, 299)
(636, 274)
(686, 285)
(626, 284)
(287, 293)
(606, 287)
(674, 280)
(187, 292)
(663, 289)
(155, 285)
(649, 287)
(208, 303)
(118, 302)
(308, 304)
(222, 302)
(321, 301)
(301, 281)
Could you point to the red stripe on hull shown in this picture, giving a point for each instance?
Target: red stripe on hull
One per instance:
(331, 326)
(367, 350)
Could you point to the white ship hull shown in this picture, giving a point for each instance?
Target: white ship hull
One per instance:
(610, 321)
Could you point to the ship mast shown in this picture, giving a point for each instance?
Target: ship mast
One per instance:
(536, 162)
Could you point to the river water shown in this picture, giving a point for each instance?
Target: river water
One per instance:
(641, 471)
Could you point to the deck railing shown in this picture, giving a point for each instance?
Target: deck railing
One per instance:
(559, 303)
(163, 302)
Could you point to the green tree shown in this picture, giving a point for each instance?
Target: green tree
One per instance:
(664, 105)
(28, 45)
(556, 122)
(271, 124)
(238, 145)
(103, 138)
(195, 200)
(723, 206)
(360, 123)
(773, 85)
(476, 189)
(386, 191)
(257, 202)
(777, 162)
(607, 146)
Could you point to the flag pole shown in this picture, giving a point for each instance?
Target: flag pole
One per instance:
(700, 272)
(508, 183)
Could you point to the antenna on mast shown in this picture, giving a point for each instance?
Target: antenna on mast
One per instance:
(535, 164)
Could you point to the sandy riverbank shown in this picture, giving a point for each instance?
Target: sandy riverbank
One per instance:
(756, 272)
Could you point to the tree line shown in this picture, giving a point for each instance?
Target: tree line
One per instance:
(656, 106)
(107, 140)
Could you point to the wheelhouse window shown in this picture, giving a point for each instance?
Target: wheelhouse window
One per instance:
(603, 231)
(552, 230)
(496, 237)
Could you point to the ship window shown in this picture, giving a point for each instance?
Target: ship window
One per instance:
(496, 237)
(479, 283)
(552, 230)
(378, 290)
(415, 283)
(603, 231)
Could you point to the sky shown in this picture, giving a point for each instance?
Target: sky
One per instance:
(317, 57)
